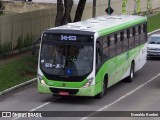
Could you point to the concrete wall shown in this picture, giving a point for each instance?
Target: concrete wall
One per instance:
(6, 29)
(25, 24)
(20, 6)
(0, 29)
(117, 6)
(32, 23)
(17, 29)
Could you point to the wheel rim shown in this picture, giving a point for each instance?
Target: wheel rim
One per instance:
(131, 73)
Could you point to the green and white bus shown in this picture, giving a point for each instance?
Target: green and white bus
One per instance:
(85, 58)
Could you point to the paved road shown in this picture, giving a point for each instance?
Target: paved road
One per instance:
(140, 95)
(145, 98)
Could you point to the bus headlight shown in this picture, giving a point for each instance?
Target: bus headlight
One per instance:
(88, 83)
(41, 80)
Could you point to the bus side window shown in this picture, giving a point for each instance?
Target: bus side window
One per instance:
(112, 46)
(128, 33)
(143, 35)
(136, 36)
(98, 53)
(144, 28)
(131, 39)
(119, 45)
(125, 41)
(139, 29)
(106, 45)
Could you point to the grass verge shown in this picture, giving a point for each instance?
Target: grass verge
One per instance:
(153, 22)
(17, 71)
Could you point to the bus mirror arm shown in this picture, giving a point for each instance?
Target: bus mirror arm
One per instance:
(100, 51)
(35, 43)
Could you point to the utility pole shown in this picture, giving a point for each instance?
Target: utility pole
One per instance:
(109, 7)
(94, 8)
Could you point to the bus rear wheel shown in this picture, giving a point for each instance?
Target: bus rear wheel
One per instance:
(131, 75)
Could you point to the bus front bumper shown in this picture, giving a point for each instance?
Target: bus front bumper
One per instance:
(62, 91)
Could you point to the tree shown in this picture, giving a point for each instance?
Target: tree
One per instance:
(1, 7)
(79, 11)
(63, 15)
(64, 10)
(60, 9)
(68, 7)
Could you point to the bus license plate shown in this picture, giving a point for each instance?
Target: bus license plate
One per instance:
(64, 93)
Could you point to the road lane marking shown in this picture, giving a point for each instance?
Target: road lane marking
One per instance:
(122, 97)
(36, 108)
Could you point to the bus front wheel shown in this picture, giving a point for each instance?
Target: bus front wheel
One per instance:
(103, 92)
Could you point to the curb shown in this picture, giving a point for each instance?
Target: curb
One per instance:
(153, 31)
(18, 86)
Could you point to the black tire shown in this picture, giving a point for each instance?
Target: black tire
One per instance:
(55, 95)
(149, 58)
(131, 75)
(103, 92)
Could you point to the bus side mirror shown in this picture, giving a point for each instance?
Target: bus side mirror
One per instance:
(34, 50)
(35, 43)
(99, 51)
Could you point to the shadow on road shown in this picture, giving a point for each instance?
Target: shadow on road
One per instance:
(153, 59)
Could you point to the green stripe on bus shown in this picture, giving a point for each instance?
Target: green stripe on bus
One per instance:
(121, 27)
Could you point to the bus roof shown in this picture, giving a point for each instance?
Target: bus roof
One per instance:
(104, 24)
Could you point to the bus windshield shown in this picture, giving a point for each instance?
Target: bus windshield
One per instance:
(66, 60)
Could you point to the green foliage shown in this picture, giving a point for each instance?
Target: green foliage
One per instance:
(18, 71)
(24, 42)
(153, 22)
(27, 41)
(5, 48)
(20, 43)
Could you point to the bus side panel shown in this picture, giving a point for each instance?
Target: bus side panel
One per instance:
(109, 67)
(142, 57)
(118, 67)
(121, 66)
(137, 57)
